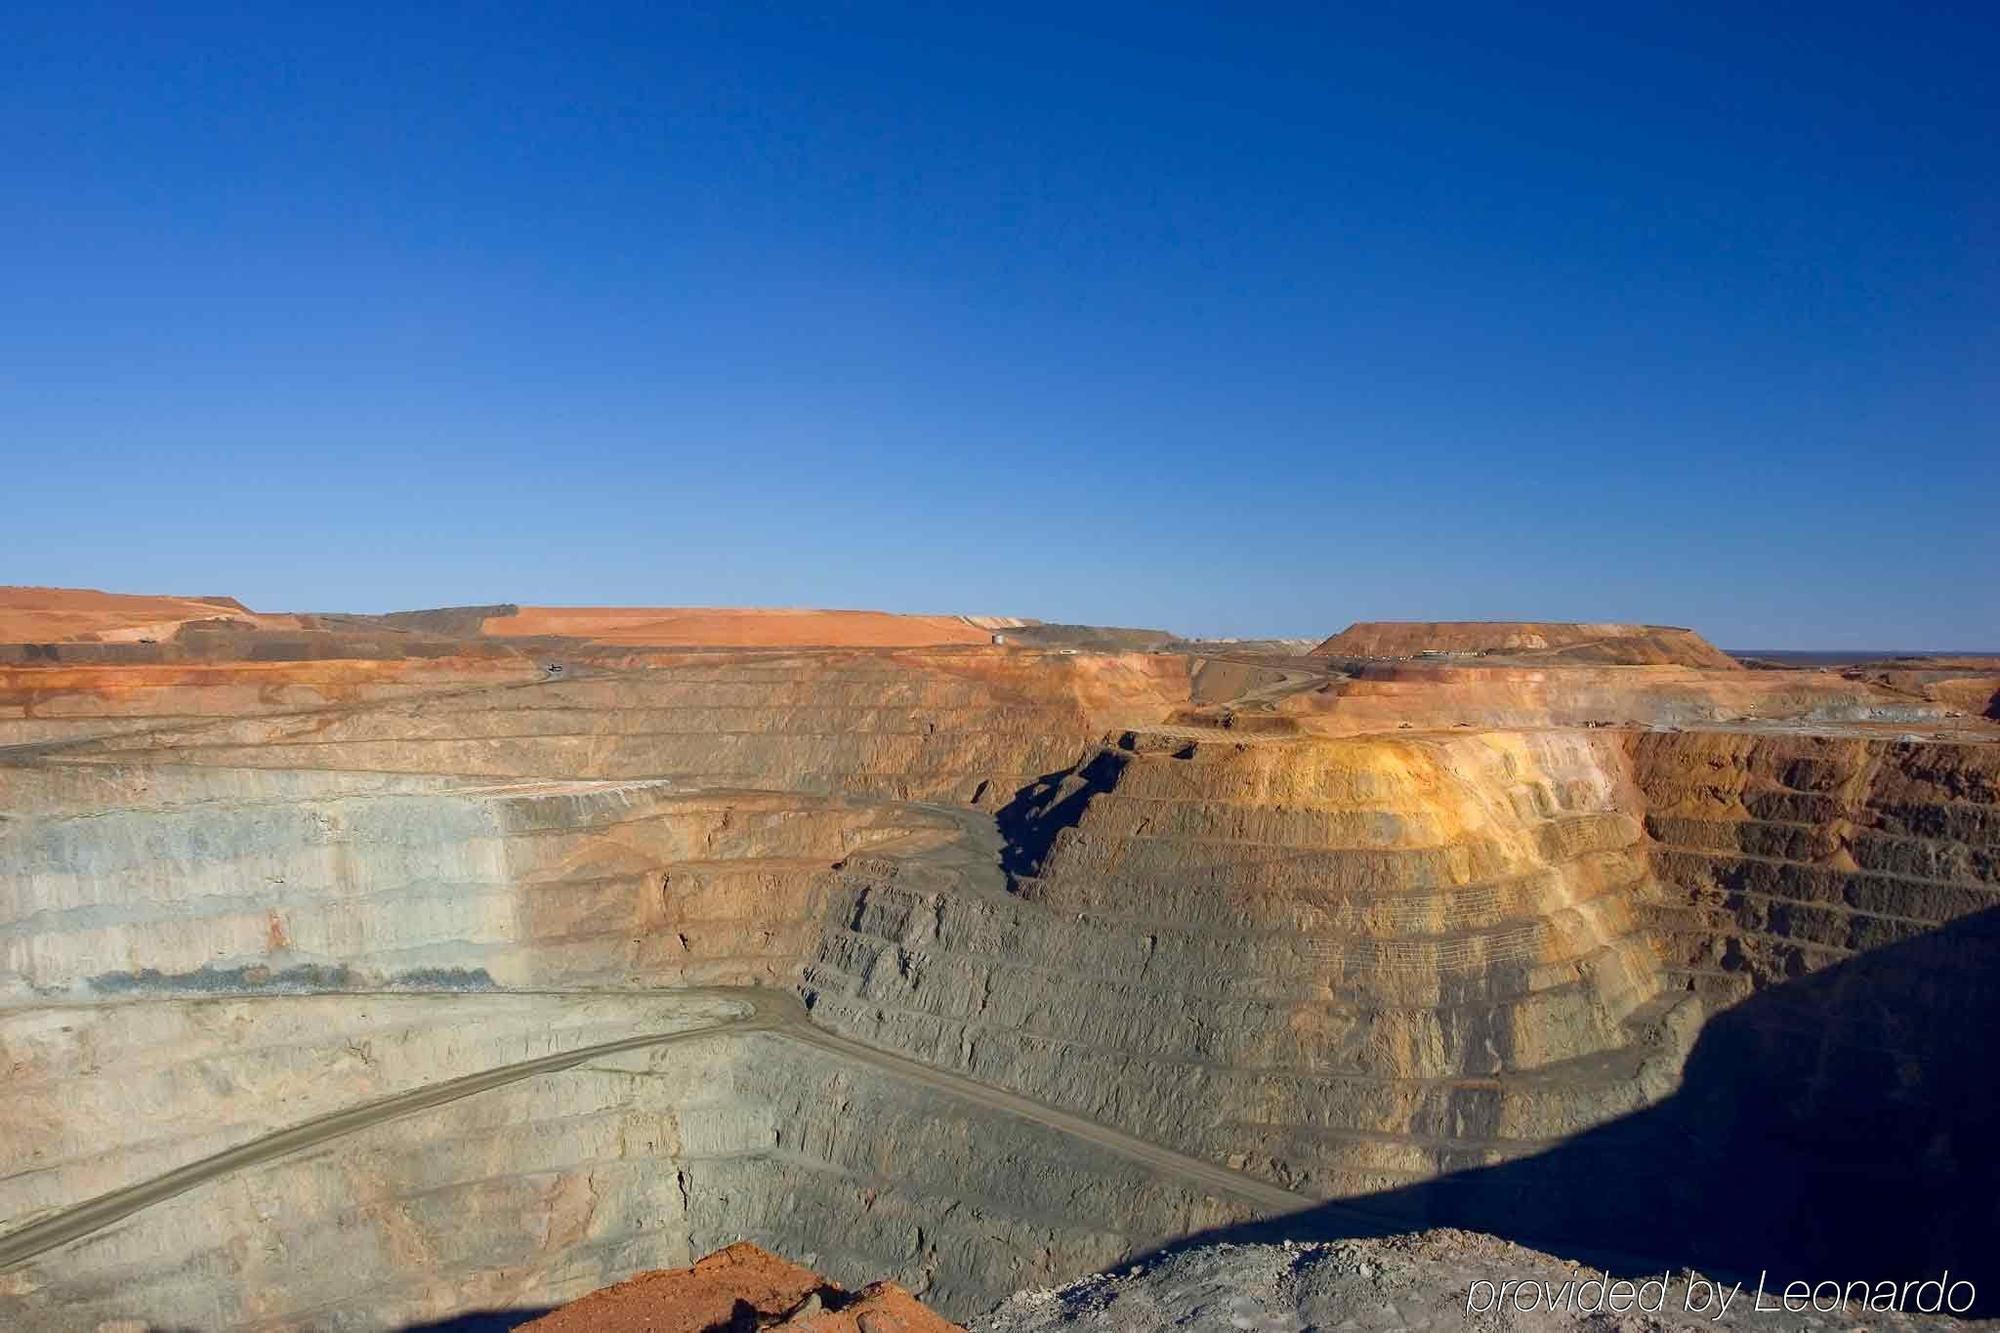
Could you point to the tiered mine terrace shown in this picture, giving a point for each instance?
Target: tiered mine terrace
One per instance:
(360, 971)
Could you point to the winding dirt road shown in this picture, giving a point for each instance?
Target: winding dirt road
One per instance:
(1269, 1199)
(762, 1010)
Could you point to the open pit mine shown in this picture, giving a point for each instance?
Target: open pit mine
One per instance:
(367, 972)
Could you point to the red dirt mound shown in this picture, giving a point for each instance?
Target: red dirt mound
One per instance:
(1534, 640)
(66, 615)
(744, 1288)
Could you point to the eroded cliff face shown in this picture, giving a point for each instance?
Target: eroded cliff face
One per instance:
(1342, 965)
(59, 703)
(1786, 853)
(968, 725)
(538, 1191)
(1098, 950)
(105, 1096)
(1383, 696)
(235, 907)
(222, 878)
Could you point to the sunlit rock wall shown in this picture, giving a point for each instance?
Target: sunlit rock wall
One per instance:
(126, 879)
(1342, 965)
(962, 724)
(1350, 964)
(1394, 696)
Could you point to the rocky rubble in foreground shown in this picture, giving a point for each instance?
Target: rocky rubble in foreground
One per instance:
(1412, 1282)
(1441, 1279)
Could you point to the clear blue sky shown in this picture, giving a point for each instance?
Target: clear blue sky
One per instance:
(1235, 319)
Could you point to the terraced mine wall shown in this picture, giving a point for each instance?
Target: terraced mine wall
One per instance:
(1831, 903)
(205, 879)
(1786, 854)
(202, 951)
(527, 1194)
(1384, 696)
(1836, 902)
(58, 704)
(106, 1096)
(1338, 965)
(1577, 984)
(1711, 996)
(539, 1191)
(970, 725)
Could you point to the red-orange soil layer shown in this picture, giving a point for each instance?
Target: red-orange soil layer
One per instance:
(1970, 685)
(65, 615)
(742, 1286)
(744, 627)
(340, 680)
(1594, 644)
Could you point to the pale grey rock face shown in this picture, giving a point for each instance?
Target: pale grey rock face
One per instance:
(537, 1192)
(105, 1096)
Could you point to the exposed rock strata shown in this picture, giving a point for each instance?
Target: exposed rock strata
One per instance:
(1235, 907)
(1341, 965)
(1395, 696)
(104, 1096)
(540, 1191)
(413, 880)
(964, 725)
(1785, 853)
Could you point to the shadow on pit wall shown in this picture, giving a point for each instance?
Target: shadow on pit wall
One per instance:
(1841, 1125)
(481, 1321)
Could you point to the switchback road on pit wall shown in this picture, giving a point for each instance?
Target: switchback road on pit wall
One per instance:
(777, 1012)
(72, 1223)
(1269, 1199)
